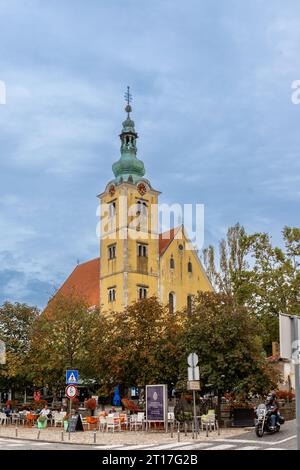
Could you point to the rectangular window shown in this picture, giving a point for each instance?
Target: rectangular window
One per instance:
(112, 209)
(112, 294)
(142, 250)
(142, 292)
(112, 251)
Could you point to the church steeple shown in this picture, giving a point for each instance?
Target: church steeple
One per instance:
(128, 167)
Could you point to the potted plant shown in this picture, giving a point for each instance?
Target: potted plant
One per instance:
(42, 422)
(66, 422)
(91, 405)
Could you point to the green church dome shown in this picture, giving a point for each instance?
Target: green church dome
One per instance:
(128, 167)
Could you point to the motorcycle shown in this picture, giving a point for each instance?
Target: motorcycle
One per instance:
(263, 420)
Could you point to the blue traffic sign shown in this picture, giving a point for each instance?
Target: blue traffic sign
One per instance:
(72, 377)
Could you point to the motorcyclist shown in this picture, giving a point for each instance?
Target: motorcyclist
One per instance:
(272, 408)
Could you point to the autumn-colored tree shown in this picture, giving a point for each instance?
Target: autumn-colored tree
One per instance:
(62, 338)
(16, 322)
(140, 347)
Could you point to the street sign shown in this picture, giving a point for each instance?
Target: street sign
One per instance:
(71, 376)
(193, 359)
(193, 373)
(71, 391)
(193, 385)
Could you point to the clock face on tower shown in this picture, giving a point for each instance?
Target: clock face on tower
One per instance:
(142, 189)
(112, 190)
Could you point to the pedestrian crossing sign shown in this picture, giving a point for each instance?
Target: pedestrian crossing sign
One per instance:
(71, 377)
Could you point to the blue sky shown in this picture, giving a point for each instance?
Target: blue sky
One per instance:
(212, 105)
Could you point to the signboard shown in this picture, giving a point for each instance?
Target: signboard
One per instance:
(71, 376)
(71, 391)
(193, 369)
(288, 344)
(75, 423)
(156, 403)
(193, 385)
(193, 373)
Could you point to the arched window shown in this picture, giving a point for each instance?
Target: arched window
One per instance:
(189, 303)
(112, 294)
(171, 302)
(142, 250)
(172, 263)
(190, 267)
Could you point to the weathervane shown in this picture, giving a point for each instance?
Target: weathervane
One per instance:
(128, 98)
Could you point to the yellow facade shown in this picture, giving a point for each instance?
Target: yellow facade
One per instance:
(184, 276)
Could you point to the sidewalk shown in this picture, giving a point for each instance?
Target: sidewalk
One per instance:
(109, 438)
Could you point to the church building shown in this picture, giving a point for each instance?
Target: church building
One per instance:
(136, 260)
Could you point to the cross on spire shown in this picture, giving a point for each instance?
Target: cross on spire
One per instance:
(128, 98)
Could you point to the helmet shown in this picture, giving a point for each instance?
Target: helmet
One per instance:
(270, 397)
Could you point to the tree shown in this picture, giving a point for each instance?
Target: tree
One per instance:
(16, 322)
(263, 278)
(226, 338)
(62, 338)
(140, 346)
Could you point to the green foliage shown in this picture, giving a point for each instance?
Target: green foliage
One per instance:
(260, 276)
(16, 322)
(227, 340)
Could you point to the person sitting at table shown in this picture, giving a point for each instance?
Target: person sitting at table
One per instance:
(45, 411)
(8, 411)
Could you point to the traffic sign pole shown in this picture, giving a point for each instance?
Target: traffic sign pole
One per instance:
(193, 381)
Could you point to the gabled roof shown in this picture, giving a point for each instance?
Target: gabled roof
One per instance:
(166, 238)
(85, 281)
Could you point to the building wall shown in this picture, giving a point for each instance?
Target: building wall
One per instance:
(178, 280)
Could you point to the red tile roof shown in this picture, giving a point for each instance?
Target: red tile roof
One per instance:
(165, 239)
(84, 280)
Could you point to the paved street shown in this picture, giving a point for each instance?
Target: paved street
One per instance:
(283, 440)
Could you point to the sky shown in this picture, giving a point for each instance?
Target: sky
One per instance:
(211, 84)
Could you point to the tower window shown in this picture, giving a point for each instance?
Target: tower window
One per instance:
(190, 267)
(172, 263)
(112, 294)
(189, 303)
(142, 293)
(142, 250)
(112, 252)
(171, 302)
(142, 208)
(112, 209)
